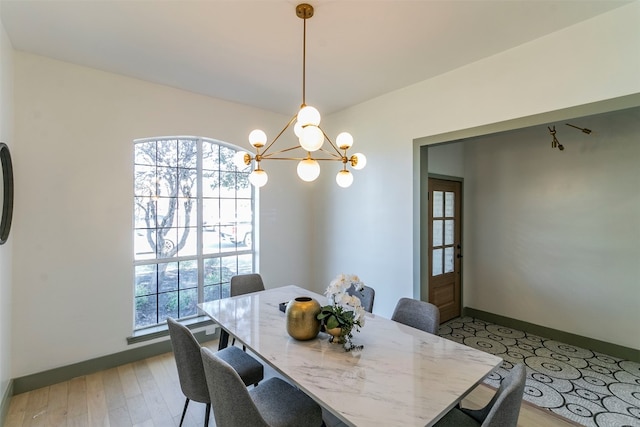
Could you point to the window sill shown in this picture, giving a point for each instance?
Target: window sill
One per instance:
(161, 330)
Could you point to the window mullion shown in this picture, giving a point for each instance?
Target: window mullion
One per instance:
(200, 220)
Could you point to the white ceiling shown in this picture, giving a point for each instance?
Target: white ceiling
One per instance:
(251, 51)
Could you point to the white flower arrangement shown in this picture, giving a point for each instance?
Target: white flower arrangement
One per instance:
(344, 311)
(337, 294)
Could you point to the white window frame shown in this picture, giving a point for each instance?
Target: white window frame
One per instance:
(239, 251)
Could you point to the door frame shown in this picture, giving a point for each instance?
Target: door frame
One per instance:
(421, 256)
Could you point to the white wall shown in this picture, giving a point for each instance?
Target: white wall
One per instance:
(367, 229)
(6, 250)
(551, 237)
(73, 273)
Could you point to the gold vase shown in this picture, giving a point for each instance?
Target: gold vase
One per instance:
(302, 323)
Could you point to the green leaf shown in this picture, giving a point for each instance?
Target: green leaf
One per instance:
(332, 322)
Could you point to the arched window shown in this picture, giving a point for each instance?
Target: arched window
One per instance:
(193, 225)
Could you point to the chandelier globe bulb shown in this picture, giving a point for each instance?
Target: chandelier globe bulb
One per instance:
(344, 178)
(308, 170)
(344, 140)
(311, 138)
(258, 178)
(308, 115)
(358, 161)
(239, 159)
(257, 138)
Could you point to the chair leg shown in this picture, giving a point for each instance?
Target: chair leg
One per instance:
(184, 411)
(224, 340)
(206, 415)
(233, 342)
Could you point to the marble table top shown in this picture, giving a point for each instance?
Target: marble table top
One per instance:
(402, 377)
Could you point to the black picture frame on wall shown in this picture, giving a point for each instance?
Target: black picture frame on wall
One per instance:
(7, 192)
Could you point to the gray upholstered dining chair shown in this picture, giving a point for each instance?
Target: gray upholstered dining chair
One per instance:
(366, 295)
(186, 351)
(241, 284)
(501, 411)
(274, 403)
(418, 314)
(246, 283)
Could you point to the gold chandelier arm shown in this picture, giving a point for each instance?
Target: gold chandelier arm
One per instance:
(327, 159)
(280, 134)
(321, 159)
(331, 142)
(270, 156)
(334, 156)
(286, 158)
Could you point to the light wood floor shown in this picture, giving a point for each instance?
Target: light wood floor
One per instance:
(147, 393)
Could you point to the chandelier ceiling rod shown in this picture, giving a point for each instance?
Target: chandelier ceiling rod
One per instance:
(305, 12)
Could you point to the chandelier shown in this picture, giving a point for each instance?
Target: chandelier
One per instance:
(311, 137)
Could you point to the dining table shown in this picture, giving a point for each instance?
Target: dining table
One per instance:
(402, 376)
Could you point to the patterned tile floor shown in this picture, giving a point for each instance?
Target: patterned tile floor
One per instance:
(587, 387)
